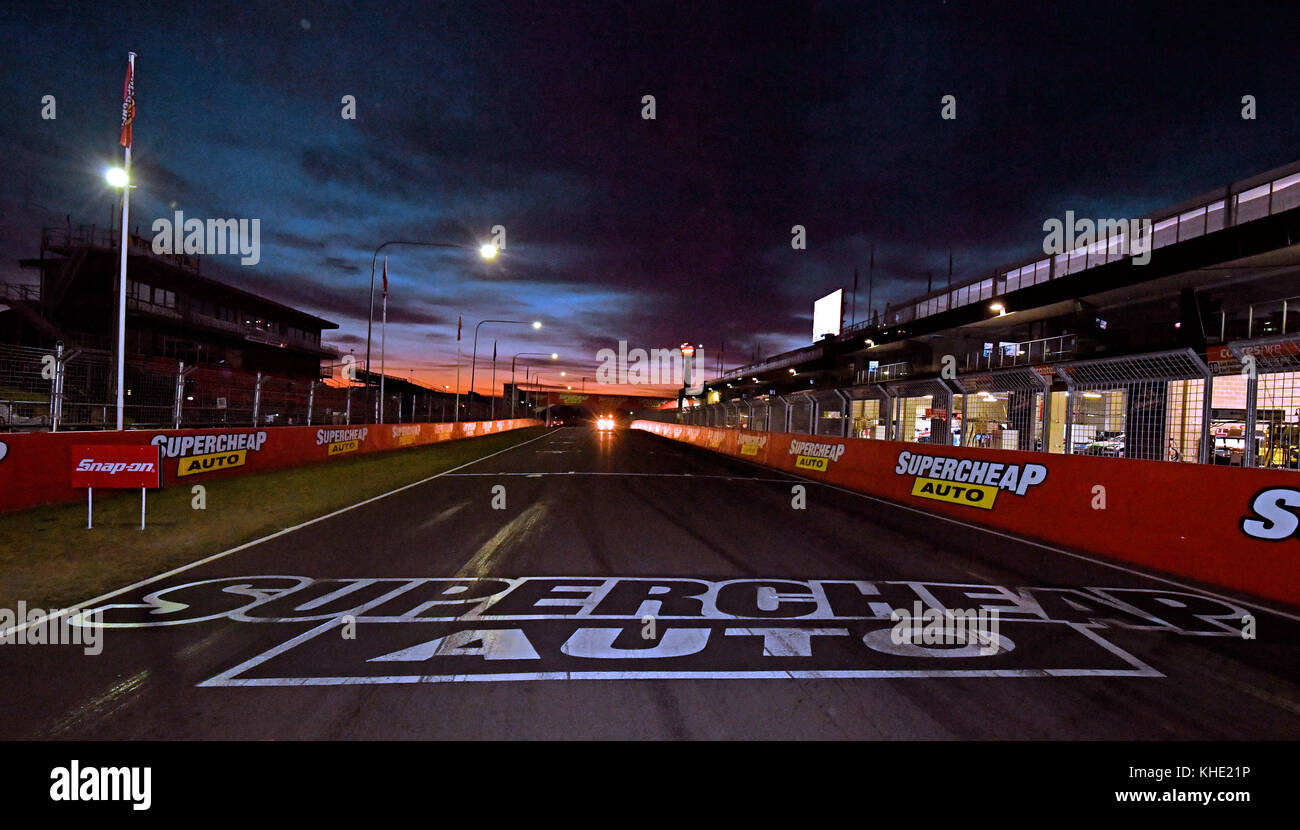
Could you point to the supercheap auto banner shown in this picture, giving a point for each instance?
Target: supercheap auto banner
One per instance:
(1229, 526)
(36, 468)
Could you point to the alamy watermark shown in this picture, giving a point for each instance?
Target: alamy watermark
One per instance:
(1126, 237)
(681, 366)
(967, 629)
(33, 626)
(179, 235)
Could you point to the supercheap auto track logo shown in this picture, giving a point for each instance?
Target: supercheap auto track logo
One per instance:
(209, 452)
(966, 481)
(814, 456)
(406, 435)
(384, 630)
(341, 440)
(751, 444)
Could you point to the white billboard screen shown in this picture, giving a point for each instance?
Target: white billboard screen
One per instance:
(828, 315)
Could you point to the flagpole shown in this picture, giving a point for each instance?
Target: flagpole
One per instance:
(493, 391)
(871, 281)
(128, 105)
(383, 343)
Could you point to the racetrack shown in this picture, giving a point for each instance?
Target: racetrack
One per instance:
(625, 586)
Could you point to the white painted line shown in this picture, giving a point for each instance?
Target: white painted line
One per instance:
(629, 475)
(90, 603)
(792, 674)
(1011, 536)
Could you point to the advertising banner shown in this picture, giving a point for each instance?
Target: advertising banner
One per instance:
(34, 467)
(118, 467)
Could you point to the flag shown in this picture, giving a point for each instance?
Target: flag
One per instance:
(128, 101)
(458, 324)
(385, 276)
(494, 351)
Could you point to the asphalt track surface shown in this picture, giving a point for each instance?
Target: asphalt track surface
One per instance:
(758, 620)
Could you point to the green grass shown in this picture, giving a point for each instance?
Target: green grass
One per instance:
(50, 559)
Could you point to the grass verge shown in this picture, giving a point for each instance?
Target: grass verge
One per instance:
(50, 559)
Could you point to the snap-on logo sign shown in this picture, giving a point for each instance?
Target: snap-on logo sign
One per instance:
(812, 456)
(90, 465)
(115, 466)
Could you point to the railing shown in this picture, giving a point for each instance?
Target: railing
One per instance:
(879, 374)
(93, 236)
(1027, 353)
(1244, 201)
(73, 388)
(19, 293)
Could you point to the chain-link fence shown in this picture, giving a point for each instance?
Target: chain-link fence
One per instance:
(1002, 409)
(76, 389)
(1168, 406)
(1152, 406)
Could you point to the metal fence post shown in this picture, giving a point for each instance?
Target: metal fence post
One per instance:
(1045, 417)
(1252, 414)
(846, 413)
(180, 394)
(347, 397)
(887, 408)
(965, 409)
(1207, 394)
(947, 417)
(257, 398)
(311, 399)
(1070, 395)
(56, 388)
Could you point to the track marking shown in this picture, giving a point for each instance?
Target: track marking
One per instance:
(231, 677)
(1011, 536)
(605, 473)
(90, 603)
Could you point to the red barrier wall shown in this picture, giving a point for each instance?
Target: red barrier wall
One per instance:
(36, 467)
(1200, 521)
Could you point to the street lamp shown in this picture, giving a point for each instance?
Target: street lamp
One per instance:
(116, 177)
(473, 362)
(370, 320)
(514, 393)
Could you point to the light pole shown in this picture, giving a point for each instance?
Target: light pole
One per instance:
(493, 416)
(513, 392)
(540, 388)
(120, 177)
(487, 251)
(473, 361)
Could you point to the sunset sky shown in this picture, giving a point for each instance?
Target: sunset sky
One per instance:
(656, 232)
